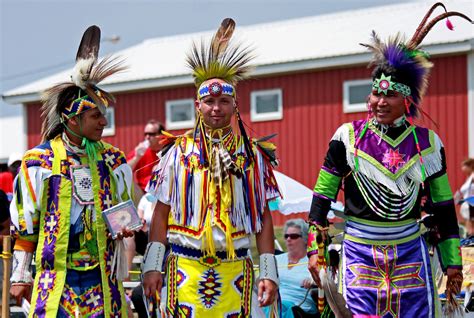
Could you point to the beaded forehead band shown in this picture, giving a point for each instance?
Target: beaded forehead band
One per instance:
(383, 84)
(82, 104)
(215, 89)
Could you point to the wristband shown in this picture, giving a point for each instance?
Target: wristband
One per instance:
(268, 268)
(21, 267)
(313, 231)
(153, 258)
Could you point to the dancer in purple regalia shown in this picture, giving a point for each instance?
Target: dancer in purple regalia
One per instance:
(387, 164)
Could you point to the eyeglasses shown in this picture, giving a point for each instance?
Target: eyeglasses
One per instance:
(150, 134)
(292, 236)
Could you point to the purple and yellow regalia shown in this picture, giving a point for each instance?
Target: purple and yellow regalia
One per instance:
(386, 170)
(46, 198)
(385, 265)
(60, 194)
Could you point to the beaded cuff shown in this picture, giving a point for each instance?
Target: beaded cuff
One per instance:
(154, 257)
(268, 268)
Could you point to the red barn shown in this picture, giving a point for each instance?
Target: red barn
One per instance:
(310, 77)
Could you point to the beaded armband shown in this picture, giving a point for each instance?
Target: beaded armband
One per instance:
(153, 258)
(314, 230)
(21, 273)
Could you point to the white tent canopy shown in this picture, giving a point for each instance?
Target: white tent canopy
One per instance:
(297, 197)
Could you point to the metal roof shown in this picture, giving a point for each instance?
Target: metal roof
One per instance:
(298, 44)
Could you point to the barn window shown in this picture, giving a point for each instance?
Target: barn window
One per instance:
(179, 113)
(109, 130)
(266, 105)
(355, 95)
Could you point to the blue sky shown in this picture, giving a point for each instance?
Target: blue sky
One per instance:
(40, 37)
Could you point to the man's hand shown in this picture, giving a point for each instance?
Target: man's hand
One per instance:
(141, 148)
(152, 283)
(19, 291)
(307, 283)
(313, 269)
(123, 234)
(267, 291)
(454, 282)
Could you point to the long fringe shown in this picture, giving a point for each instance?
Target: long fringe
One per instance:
(246, 206)
(400, 185)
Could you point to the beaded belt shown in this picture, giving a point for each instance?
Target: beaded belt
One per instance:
(393, 232)
(193, 253)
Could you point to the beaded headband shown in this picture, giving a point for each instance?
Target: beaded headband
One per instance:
(383, 84)
(82, 104)
(215, 89)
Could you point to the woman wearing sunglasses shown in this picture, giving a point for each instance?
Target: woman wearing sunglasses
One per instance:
(295, 279)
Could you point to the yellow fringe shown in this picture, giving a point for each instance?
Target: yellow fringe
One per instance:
(226, 201)
(209, 246)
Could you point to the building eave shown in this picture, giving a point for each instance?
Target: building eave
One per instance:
(261, 70)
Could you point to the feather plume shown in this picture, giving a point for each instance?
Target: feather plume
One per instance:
(417, 41)
(425, 18)
(85, 76)
(335, 300)
(221, 39)
(413, 65)
(108, 66)
(90, 44)
(81, 72)
(453, 287)
(221, 58)
(86, 56)
(410, 64)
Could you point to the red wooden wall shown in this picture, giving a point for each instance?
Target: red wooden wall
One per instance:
(312, 111)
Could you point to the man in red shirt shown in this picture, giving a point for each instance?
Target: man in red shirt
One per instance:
(144, 157)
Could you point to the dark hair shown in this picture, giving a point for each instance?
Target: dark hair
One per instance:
(469, 163)
(161, 127)
(64, 99)
(399, 75)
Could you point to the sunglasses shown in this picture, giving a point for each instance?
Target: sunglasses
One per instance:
(292, 236)
(150, 134)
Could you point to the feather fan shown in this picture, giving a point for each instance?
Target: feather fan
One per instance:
(333, 297)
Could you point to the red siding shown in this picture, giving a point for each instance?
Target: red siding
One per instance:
(312, 104)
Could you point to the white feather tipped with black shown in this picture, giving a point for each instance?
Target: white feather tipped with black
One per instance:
(335, 300)
(86, 56)
(87, 73)
(81, 72)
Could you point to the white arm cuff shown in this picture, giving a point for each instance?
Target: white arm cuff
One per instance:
(21, 267)
(268, 268)
(154, 257)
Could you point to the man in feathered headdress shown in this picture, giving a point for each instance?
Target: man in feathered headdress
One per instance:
(212, 187)
(63, 187)
(387, 165)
